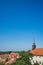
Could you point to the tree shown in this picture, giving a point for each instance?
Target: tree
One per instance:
(36, 63)
(42, 63)
(1, 63)
(24, 60)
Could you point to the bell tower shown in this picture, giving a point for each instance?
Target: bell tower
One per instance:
(33, 45)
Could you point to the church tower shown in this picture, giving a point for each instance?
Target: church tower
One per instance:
(33, 46)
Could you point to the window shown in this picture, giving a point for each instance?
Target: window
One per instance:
(40, 62)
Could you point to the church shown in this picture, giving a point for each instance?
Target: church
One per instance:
(37, 55)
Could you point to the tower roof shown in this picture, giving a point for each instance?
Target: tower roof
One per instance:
(33, 45)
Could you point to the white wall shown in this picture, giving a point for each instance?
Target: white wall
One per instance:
(38, 59)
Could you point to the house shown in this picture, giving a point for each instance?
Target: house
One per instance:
(9, 58)
(37, 55)
(4, 55)
(13, 55)
(12, 58)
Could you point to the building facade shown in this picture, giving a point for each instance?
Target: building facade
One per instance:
(37, 55)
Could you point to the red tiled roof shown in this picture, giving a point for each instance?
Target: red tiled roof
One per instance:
(13, 55)
(37, 51)
(3, 54)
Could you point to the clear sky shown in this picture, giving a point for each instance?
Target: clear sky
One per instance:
(21, 21)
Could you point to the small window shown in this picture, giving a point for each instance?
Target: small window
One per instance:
(40, 62)
(33, 61)
(36, 61)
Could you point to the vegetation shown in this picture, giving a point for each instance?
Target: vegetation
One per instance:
(1, 63)
(42, 63)
(7, 52)
(36, 63)
(24, 60)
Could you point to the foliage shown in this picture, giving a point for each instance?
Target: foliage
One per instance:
(24, 60)
(42, 63)
(36, 63)
(7, 52)
(1, 63)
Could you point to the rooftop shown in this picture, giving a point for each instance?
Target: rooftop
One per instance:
(37, 51)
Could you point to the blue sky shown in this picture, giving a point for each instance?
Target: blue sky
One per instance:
(21, 21)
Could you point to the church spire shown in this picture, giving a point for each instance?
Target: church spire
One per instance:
(33, 45)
